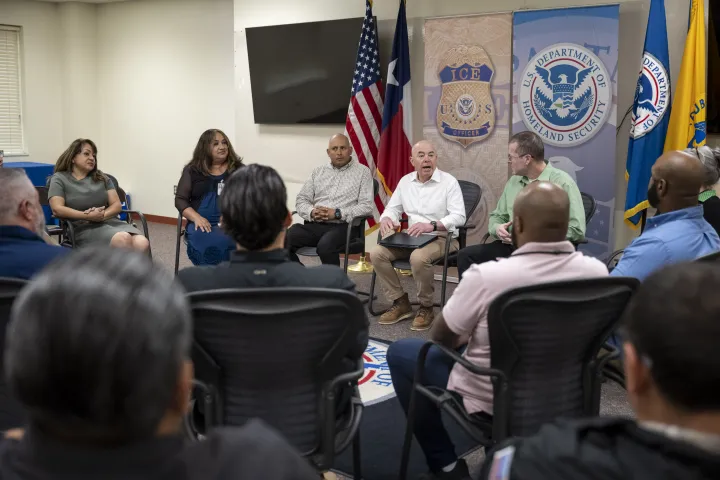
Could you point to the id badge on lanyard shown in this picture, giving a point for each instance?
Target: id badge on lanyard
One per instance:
(220, 187)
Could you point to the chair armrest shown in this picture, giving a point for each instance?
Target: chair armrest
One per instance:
(477, 370)
(582, 241)
(146, 231)
(467, 226)
(357, 221)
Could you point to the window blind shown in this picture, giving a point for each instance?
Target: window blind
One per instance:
(12, 140)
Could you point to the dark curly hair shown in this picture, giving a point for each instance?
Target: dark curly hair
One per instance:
(253, 205)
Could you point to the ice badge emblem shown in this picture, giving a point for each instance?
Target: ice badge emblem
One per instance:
(466, 113)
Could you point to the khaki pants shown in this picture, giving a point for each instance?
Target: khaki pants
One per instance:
(421, 263)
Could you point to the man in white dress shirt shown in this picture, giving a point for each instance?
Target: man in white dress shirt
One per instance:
(433, 203)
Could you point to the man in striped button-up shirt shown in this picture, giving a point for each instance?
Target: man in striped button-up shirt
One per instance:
(334, 194)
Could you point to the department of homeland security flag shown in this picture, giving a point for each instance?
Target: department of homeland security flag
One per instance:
(650, 114)
(687, 119)
(364, 116)
(395, 147)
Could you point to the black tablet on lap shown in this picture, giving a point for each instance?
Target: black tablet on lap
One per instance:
(403, 240)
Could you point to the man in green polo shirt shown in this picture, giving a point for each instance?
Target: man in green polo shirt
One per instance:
(526, 157)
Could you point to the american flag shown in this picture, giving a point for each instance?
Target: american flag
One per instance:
(364, 118)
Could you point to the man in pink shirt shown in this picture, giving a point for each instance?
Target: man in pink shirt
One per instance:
(540, 223)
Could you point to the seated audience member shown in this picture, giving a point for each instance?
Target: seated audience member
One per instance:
(672, 371)
(540, 222)
(678, 231)
(526, 157)
(198, 198)
(334, 194)
(80, 193)
(98, 352)
(255, 215)
(433, 202)
(23, 250)
(710, 159)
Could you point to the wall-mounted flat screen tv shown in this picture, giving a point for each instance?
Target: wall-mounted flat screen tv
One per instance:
(303, 73)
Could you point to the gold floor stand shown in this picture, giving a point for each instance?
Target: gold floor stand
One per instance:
(362, 266)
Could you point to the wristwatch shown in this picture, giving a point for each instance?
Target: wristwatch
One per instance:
(434, 224)
(337, 214)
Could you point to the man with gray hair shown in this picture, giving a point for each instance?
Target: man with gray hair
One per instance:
(23, 250)
(98, 352)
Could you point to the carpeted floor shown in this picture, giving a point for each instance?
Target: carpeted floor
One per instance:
(163, 238)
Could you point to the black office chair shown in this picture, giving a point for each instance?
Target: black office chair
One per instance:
(713, 257)
(354, 243)
(472, 193)
(12, 414)
(52, 230)
(180, 234)
(590, 207)
(280, 354)
(544, 344)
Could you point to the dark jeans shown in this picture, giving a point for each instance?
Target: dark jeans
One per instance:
(327, 238)
(484, 252)
(429, 429)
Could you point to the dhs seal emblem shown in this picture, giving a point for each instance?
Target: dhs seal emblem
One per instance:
(376, 385)
(466, 113)
(565, 95)
(652, 97)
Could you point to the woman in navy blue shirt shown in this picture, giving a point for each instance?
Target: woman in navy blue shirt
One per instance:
(197, 198)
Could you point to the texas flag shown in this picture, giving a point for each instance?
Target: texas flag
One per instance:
(396, 135)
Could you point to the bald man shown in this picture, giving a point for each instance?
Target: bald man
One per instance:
(434, 205)
(678, 232)
(336, 193)
(540, 224)
(23, 249)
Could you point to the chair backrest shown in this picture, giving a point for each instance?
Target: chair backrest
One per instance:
(713, 257)
(546, 339)
(472, 193)
(272, 352)
(43, 195)
(12, 414)
(589, 205)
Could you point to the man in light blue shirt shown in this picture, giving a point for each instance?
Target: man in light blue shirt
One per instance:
(678, 232)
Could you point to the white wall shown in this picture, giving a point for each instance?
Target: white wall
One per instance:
(78, 44)
(41, 76)
(165, 74)
(295, 150)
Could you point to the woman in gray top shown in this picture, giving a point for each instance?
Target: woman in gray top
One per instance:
(81, 193)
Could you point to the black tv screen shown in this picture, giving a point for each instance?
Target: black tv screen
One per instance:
(303, 73)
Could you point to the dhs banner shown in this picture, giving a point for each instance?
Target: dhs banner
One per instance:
(467, 103)
(564, 84)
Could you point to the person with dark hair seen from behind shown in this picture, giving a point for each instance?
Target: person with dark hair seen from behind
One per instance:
(526, 159)
(98, 351)
(255, 215)
(678, 232)
(197, 198)
(80, 193)
(672, 373)
(23, 248)
(710, 159)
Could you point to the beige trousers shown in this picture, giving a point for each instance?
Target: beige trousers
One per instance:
(421, 263)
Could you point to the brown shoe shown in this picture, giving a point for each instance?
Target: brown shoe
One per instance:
(400, 310)
(423, 319)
